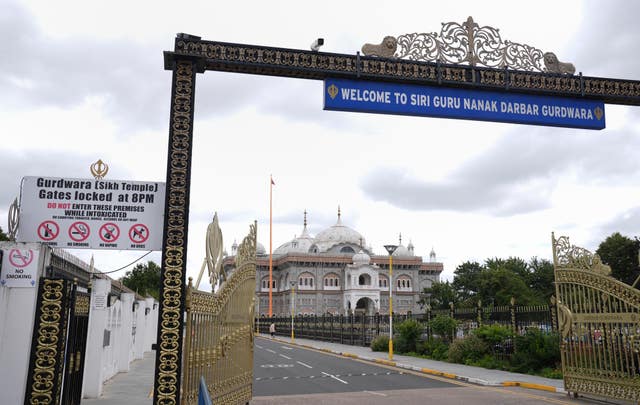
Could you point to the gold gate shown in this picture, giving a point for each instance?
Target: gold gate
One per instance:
(219, 333)
(599, 323)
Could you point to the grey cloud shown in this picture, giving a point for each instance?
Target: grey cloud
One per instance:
(627, 223)
(38, 163)
(517, 175)
(129, 78)
(606, 44)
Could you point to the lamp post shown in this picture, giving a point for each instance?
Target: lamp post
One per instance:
(390, 250)
(293, 298)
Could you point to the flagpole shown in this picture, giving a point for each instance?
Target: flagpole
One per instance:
(270, 244)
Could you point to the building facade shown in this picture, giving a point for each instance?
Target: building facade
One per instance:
(335, 272)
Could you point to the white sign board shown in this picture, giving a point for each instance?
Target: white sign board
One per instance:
(92, 214)
(19, 268)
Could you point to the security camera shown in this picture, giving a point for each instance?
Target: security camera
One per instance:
(315, 45)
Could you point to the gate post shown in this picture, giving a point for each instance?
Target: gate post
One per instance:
(166, 389)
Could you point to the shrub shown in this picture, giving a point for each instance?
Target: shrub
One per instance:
(380, 344)
(469, 349)
(443, 326)
(434, 348)
(489, 361)
(551, 373)
(494, 334)
(409, 332)
(536, 350)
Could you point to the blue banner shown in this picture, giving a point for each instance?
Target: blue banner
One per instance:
(406, 99)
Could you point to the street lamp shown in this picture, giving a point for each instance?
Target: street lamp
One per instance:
(293, 298)
(390, 250)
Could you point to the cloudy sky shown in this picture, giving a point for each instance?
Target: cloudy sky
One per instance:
(82, 81)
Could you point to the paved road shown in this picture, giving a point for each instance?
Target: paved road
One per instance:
(290, 374)
(282, 369)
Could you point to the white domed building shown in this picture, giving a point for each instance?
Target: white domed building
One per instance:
(335, 272)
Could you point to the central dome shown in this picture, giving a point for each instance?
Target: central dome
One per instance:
(338, 234)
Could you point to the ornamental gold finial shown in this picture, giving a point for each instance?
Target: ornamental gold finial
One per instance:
(99, 169)
(469, 43)
(14, 219)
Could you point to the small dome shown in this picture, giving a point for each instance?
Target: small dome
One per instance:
(402, 251)
(338, 234)
(300, 244)
(432, 255)
(361, 258)
(260, 250)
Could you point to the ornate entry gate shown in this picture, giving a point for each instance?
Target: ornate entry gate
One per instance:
(56, 364)
(219, 341)
(599, 323)
(406, 59)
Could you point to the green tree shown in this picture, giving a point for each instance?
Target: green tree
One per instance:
(500, 284)
(144, 279)
(621, 253)
(3, 236)
(439, 295)
(466, 282)
(541, 279)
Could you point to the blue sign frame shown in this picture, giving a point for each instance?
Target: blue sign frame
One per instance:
(440, 102)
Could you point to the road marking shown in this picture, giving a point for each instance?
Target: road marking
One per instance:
(259, 347)
(334, 377)
(271, 351)
(287, 347)
(376, 393)
(286, 357)
(306, 365)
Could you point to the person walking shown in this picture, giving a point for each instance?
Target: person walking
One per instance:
(272, 329)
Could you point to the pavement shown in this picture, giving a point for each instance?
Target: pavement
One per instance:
(132, 388)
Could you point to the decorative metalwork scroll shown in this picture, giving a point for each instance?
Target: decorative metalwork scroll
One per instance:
(599, 321)
(46, 365)
(468, 43)
(219, 333)
(174, 244)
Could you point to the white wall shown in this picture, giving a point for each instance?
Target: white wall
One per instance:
(129, 330)
(17, 314)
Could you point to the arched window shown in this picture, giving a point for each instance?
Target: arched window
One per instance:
(331, 281)
(305, 281)
(364, 280)
(404, 283)
(347, 249)
(383, 283)
(265, 284)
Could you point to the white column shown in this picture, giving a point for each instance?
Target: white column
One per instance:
(98, 314)
(140, 330)
(17, 314)
(149, 325)
(126, 337)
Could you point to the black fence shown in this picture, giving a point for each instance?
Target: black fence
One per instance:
(360, 329)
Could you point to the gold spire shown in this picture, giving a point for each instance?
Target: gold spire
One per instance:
(305, 218)
(400, 238)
